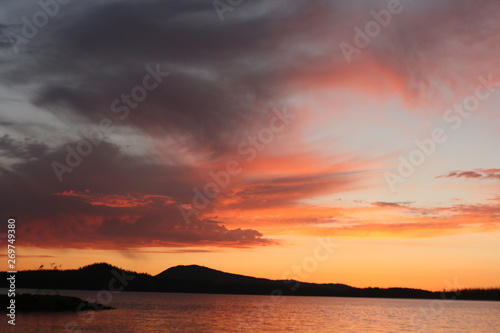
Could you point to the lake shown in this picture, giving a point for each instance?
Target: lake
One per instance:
(167, 312)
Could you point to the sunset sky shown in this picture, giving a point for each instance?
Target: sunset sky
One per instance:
(245, 137)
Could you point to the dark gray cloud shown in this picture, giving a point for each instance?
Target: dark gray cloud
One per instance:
(223, 76)
(27, 149)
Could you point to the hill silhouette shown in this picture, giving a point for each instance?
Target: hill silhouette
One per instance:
(199, 279)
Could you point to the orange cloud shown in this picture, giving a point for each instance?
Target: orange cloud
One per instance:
(377, 220)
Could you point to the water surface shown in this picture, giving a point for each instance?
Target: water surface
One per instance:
(168, 312)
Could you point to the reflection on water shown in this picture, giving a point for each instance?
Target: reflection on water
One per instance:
(165, 312)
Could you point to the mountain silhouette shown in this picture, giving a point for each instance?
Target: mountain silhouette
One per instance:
(204, 274)
(199, 279)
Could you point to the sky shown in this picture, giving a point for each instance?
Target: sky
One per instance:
(324, 141)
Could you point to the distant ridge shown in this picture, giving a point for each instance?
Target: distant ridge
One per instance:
(202, 273)
(200, 279)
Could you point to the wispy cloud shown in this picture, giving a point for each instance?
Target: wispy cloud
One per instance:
(474, 174)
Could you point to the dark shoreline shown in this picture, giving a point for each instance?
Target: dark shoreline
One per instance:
(25, 302)
(437, 297)
(202, 280)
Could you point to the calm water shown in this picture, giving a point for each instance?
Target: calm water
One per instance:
(164, 312)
